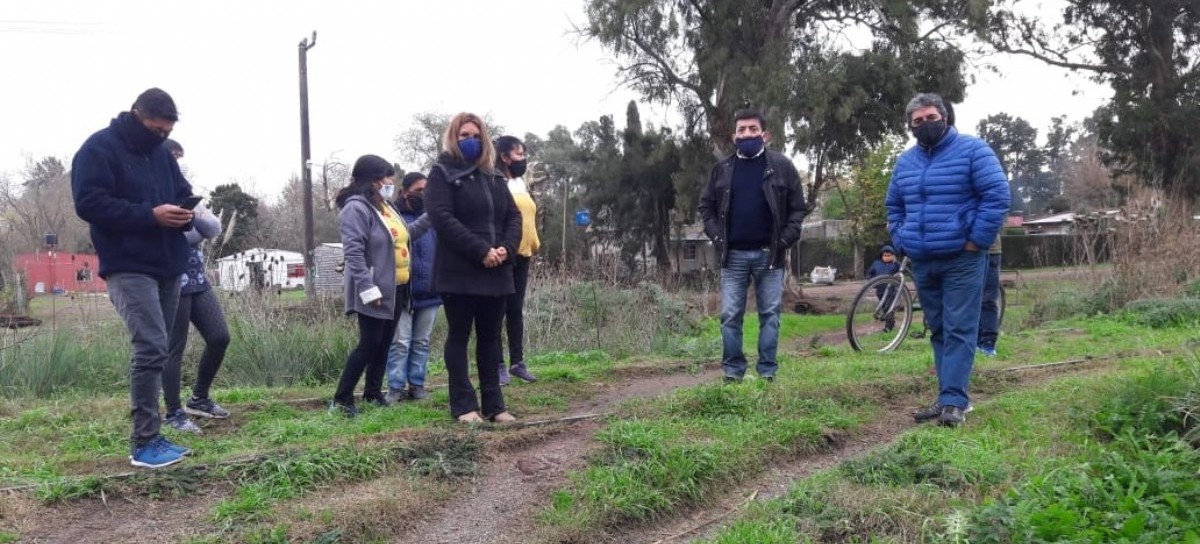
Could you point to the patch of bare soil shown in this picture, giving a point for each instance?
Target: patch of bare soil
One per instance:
(514, 486)
(126, 520)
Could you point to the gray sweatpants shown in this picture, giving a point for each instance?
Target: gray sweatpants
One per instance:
(147, 305)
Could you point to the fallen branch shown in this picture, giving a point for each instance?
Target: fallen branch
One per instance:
(1048, 365)
(724, 515)
(567, 419)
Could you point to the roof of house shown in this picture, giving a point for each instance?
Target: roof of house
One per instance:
(260, 253)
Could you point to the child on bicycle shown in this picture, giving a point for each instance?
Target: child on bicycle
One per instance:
(885, 265)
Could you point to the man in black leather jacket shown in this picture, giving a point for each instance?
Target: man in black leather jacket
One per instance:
(752, 209)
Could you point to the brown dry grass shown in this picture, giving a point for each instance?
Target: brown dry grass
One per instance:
(371, 511)
(1154, 251)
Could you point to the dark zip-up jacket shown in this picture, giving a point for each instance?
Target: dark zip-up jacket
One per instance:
(785, 198)
(420, 265)
(116, 188)
(472, 212)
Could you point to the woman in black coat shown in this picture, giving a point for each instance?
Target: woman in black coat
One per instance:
(478, 228)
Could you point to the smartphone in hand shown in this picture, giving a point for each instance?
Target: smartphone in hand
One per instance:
(191, 202)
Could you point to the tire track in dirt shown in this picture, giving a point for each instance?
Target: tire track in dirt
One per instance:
(502, 502)
(512, 485)
(694, 524)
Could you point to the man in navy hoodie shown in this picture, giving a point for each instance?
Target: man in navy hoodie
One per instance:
(130, 191)
(945, 204)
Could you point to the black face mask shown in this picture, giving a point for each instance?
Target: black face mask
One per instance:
(930, 133)
(137, 136)
(517, 168)
(416, 203)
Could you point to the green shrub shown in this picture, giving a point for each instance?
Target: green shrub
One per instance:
(1071, 302)
(1141, 487)
(1138, 492)
(1160, 313)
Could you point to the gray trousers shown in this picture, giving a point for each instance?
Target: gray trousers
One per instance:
(147, 305)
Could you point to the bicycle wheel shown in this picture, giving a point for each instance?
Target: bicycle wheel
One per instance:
(880, 315)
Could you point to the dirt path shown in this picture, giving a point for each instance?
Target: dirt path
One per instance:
(513, 486)
(703, 523)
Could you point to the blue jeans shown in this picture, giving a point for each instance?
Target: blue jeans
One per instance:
(950, 290)
(408, 355)
(147, 306)
(740, 267)
(989, 312)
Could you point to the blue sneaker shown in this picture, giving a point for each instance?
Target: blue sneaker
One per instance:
(156, 453)
(988, 351)
(181, 450)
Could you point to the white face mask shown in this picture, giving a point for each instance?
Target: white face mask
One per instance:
(387, 191)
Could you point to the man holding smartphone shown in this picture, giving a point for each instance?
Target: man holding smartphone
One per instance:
(128, 189)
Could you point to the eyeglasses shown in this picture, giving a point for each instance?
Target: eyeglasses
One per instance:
(927, 119)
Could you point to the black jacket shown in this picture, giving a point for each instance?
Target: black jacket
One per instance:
(785, 198)
(472, 212)
(116, 183)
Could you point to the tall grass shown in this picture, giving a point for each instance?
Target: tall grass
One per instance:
(49, 361)
(273, 344)
(281, 341)
(562, 314)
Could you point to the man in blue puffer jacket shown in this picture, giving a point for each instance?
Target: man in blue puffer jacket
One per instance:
(946, 203)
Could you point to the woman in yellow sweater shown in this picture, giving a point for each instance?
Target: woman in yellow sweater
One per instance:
(512, 161)
(375, 245)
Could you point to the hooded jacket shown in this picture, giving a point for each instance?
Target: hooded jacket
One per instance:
(472, 211)
(370, 257)
(880, 268)
(117, 179)
(943, 196)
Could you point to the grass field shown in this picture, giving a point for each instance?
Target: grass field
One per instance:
(1103, 452)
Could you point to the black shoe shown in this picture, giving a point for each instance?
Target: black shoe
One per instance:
(396, 396)
(732, 379)
(768, 379)
(952, 416)
(929, 413)
(348, 410)
(378, 400)
(417, 393)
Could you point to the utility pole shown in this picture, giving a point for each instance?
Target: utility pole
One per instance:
(310, 284)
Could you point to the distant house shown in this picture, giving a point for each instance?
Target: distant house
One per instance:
(824, 229)
(58, 272)
(261, 268)
(691, 250)
(328, 260)
(1059, 223)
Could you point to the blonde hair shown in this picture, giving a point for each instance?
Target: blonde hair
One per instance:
(487, 158)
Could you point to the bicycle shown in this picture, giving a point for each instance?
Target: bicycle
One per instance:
(882, 312)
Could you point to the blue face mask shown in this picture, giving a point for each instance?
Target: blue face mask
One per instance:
(749, 147)
(471, 148)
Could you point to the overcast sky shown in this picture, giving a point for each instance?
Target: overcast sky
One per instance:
(71, 65)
